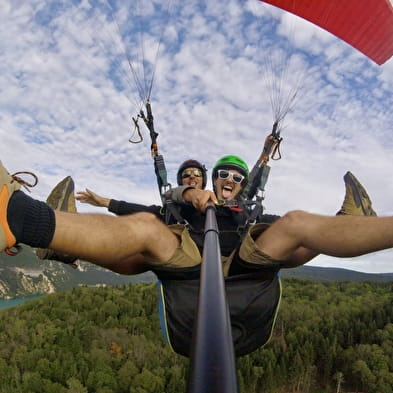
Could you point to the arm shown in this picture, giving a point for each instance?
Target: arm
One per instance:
(190, 195)
(177, 194)
(120, 208)
(199, 198)
(92, 198)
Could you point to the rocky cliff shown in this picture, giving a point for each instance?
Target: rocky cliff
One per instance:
(25, 275)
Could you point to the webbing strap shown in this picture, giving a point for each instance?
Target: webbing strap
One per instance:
(172, 209)
(160, 170)
(159, 164)
(250, 218)
(161, 174)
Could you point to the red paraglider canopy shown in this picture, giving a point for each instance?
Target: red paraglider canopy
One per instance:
(367, 25)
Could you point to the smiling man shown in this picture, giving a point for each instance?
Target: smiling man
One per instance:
(191, 173)
(229, 177)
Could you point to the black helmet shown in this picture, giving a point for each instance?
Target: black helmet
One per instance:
(191, 164)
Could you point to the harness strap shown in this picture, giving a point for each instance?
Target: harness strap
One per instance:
(249, 216)
(260, 172)
(173, 210)
(159, 164)
(161, 174)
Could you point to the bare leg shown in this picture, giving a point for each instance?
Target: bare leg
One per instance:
(135, 264)
(299, 236)
(117, 243)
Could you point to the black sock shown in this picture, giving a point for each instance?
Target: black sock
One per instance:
(32, 222)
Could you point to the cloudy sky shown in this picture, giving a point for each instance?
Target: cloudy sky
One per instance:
(68, 96)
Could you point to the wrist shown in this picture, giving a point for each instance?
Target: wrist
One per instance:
(104, 202)
(187, 193)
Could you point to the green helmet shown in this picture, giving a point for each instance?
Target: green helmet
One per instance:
(232, 162)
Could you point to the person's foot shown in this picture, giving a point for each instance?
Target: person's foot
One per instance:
(356, 200)
(8, 185)
(61, 198)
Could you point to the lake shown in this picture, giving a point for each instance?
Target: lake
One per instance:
(6, 303)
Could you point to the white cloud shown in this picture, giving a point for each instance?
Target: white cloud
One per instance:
(67, 98)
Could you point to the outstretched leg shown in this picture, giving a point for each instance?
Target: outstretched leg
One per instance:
(299, 236)
(105, 240)
(356, 203)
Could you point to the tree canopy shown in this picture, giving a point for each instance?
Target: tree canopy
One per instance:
(107, 340)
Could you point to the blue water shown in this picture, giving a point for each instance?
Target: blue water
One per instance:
(6, 303)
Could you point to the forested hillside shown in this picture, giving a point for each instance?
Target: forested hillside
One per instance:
(328, 336)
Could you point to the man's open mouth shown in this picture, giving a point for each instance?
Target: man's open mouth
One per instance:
(226, 192)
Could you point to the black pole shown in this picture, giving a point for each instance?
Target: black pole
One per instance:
(213, 366)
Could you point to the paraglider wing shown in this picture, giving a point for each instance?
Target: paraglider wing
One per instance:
(366, 25)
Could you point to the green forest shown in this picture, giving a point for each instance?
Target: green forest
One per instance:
(329, 337)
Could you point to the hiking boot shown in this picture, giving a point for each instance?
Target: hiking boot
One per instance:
(61, 198)
(8, 185)
(356, 200)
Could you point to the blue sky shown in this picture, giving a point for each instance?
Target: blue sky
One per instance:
(68, 95)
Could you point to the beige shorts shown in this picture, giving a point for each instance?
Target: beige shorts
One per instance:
(188, 255)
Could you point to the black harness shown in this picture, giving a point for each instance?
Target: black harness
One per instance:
(253, 301)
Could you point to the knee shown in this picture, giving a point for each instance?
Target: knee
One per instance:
(145, 217)
(293, 220)
(148, 220)
(154, 226)
(142, 220)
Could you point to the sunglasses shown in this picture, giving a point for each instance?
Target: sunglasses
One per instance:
(191, 172)
(224, 174)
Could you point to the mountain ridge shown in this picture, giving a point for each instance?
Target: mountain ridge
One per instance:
(26, 275)
(320, 274)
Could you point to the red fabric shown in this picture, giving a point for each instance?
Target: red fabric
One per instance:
(367, 25)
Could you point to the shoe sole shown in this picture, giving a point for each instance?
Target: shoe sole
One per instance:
(359, 194)
(5, 234)
(62, 196)
(8, 186)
